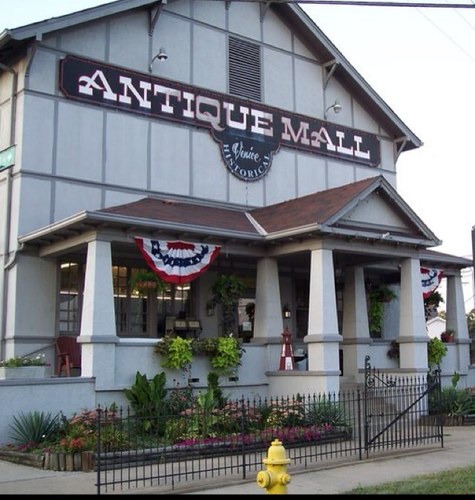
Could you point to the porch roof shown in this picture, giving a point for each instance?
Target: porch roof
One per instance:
(319, 214)
(322, 212)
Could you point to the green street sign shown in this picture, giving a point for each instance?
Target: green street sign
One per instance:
(7, 158)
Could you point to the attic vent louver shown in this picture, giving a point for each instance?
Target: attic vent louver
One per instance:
(244, 69)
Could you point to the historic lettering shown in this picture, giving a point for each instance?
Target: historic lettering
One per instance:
(249, 133)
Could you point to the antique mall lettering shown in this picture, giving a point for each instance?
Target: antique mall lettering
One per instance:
(248, 133)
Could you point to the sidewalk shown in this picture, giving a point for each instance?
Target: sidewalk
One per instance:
(458, 451)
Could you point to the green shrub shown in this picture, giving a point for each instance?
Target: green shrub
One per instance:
(285, 413)
(33, 427)
(323, 411)
(147, 392)
(178, 400)
(176, 429)
(452, 401)
(114, 439)
(213, 384)
(147, 398)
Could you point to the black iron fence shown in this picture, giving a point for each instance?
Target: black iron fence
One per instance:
(192, 438)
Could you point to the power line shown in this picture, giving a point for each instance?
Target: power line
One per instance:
(447, 35)
(359, 3)
(382, 4)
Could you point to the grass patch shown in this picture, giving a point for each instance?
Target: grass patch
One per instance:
(460, 481)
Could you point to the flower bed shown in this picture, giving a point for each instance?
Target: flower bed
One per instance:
(220, 447)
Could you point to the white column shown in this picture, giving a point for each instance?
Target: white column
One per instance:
(268, 321)
(413, 336)
(98, 329)
(355, 328)
(456, 320)
(323, 338)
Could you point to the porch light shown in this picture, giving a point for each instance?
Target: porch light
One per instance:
(286, 312)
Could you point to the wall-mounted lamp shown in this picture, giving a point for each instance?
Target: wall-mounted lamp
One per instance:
(286, 312)
(336, 106)
(161, 56)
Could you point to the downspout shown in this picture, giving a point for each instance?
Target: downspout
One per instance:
(7, 262)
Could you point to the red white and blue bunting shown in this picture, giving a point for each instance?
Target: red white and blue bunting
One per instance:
(177, 261)
(431, 279)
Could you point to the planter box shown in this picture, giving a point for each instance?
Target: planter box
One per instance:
(62, 461)
(446, 420)
(18, 457)
(58, 461)
(22, 372)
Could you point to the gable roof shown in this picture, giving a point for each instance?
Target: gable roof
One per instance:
(14, 41)
(324, 212)
(330, 212)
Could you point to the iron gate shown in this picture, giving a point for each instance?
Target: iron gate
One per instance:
(396, 409)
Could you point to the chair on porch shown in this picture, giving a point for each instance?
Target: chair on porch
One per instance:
(68, 355)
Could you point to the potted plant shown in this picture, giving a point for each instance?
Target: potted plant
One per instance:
(436, 350)
(227, 290)
(177, 352)
(250, 310)
(393, 351)
(227, 357)
(431, 304)
(19, 367)
(377, 299)
(448, 336)
(383, 294)
(143, 281)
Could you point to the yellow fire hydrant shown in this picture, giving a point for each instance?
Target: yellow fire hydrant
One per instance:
(275, 479)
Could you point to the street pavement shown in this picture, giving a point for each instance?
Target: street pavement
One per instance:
(336, 478)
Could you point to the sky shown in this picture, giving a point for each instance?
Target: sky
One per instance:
(421, 61)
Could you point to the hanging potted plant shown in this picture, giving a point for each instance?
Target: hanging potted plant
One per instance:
(377, 299)
(144, 281)
(227, 290)
(250, 311)
(431, 304)
(448, 336)
(393, 351)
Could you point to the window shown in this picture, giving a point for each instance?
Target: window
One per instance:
(70, 297)
(137, 314)
(244, 69)
(302, 287)
(143, 314)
